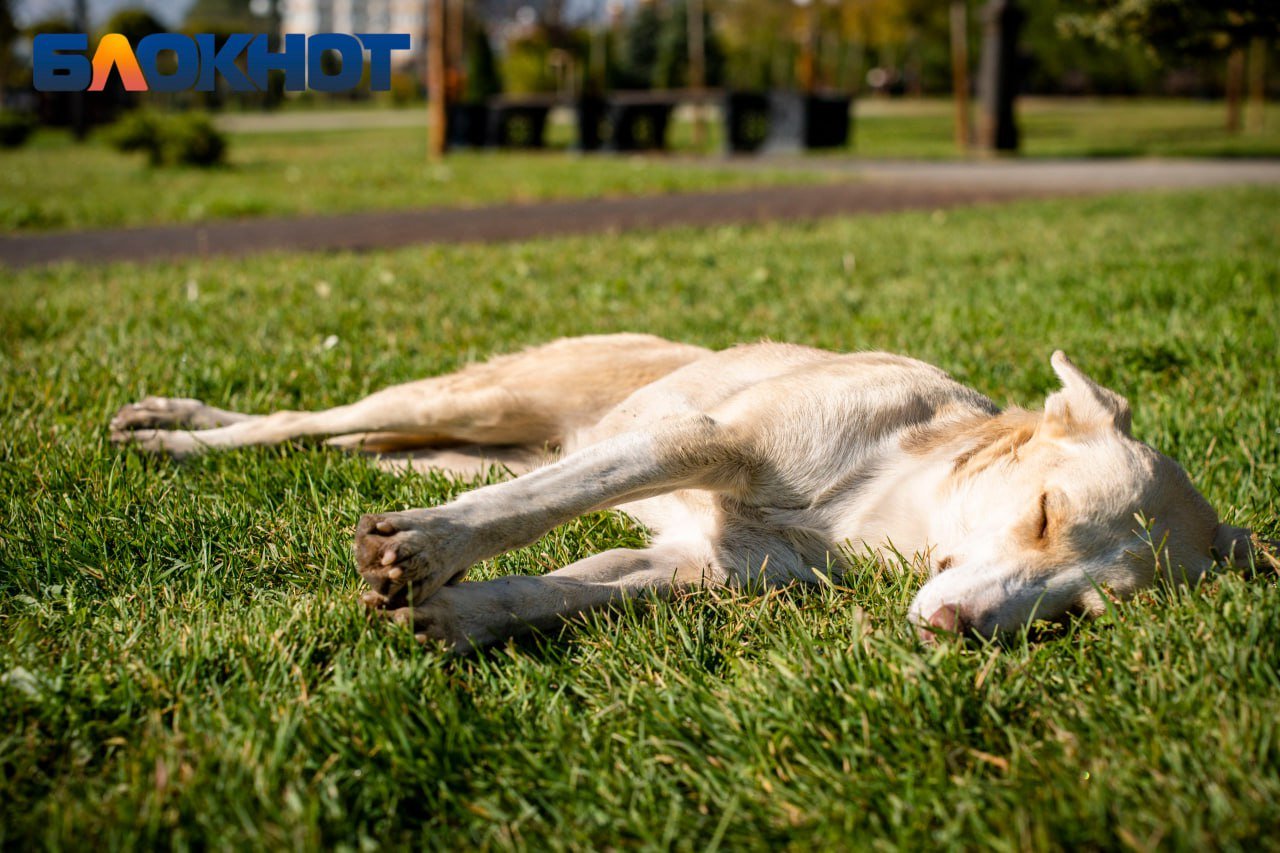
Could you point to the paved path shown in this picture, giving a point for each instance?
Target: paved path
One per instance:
(882, 187)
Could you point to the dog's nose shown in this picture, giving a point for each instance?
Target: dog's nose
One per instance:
(947, 619)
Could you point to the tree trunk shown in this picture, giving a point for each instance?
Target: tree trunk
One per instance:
(1235, 85)
(998, 75)
(436, 83)
(808, 70)
(1254, 119)
(697, 68)
(960, 71)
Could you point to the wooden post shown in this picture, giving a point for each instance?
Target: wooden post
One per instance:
(808, 67)
(1235, 88)
(697, 68)
(1254, 120)
(436, 83)
(960, 72)
(997, 77)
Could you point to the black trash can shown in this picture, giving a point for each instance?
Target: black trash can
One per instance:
(799, 121)
(467, 126)
(638, 121)
(746, 121)
(592, 117)
(828, 121)
(518, 123)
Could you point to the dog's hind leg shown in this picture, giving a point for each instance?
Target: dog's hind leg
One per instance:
(469, 616)
(533, 398)
(419, 413)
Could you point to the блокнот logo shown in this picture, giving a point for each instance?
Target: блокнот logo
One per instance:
(60, 63)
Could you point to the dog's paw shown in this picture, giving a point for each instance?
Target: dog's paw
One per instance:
(407, 556)
(174, 443)
(433, 623)
(157, 413)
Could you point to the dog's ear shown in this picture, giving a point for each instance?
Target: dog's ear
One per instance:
(1083, 405)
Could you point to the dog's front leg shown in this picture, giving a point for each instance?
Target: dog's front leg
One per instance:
(475, 615)
(415, 553)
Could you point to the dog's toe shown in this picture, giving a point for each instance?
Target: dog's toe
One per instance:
(405, 557)
(432, 623)
(156, 412)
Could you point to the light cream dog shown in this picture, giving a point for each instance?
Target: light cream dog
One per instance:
(765, 463)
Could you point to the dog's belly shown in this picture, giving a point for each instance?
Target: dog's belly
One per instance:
(739, 548)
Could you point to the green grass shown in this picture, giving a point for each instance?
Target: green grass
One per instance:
(1066, 127)
(53, 184)
(185, 663)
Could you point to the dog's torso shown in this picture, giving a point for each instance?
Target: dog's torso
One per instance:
(836, 443)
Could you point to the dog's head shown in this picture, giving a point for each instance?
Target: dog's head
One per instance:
(1047, 515)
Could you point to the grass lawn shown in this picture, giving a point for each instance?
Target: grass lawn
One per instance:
(184, 662)
(54, 184)
(1070, 127)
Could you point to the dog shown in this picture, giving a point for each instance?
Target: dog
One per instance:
(766, 464)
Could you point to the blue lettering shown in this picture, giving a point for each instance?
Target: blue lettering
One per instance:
(188, 57)
(60, 72)
(352, 54)
(292, 61)
(223, 61)
(380, 46)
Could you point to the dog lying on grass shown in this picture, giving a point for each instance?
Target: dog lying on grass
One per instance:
(764, 464)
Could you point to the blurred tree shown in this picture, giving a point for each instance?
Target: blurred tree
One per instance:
(638, 47)
(527, 65)
(671, 62)
(8, 34)
(223, 17)
(1172, 29)
(482, 78)
(781, 43)
(134, 24)
(51, 24)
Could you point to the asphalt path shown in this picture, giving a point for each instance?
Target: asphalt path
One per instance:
(866, 187)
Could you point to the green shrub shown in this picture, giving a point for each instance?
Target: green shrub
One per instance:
(192, 139)
(185, 138)
(15, 127)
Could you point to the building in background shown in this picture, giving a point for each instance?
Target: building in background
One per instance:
(358, 16)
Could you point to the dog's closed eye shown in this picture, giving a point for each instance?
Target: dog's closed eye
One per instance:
(1036, 526)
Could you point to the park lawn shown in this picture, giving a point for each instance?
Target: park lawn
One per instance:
(54, 184)
(184, 662)
(1069, 127)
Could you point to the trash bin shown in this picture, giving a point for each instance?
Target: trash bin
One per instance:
(800, 121)
(828, 121)
(637, 121)
(518, 123)
(466, 125)
(746, 121)
(592, 118)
